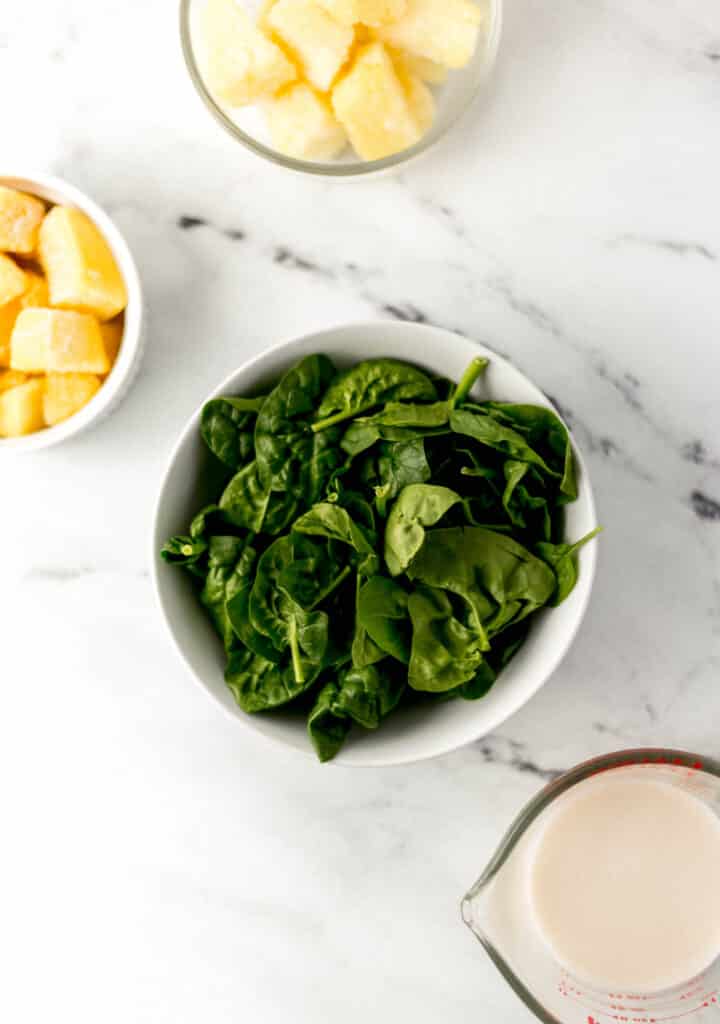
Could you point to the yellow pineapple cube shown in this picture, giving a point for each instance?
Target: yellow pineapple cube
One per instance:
(419, 98)
(365, 12)
(11, 379)
(370, 103)
(20, 217)
(21, 409)
(426, 70)
(303, 125)
(81, 270)
(13, 280)
(59, 341)
(112, 332)
(66, 394)
(239, 62)
(319, 43)
(444, 31)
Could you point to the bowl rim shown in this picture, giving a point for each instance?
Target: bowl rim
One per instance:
(58, 191)
(334, 169)
(511, 706)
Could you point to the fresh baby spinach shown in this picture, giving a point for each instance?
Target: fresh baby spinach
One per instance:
(378, 537)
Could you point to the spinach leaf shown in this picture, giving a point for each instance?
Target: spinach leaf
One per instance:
(183, 550)
(383, 614)
(364, 696)
(290, 627)
(561, 558)
(418, 506)
(245, 499)
(546, 434)
(445, 653)
(409, 415)
(477, 423)
(289, 456)
(398, 465)
(500, 579)
(237, 607)
(260, 685)
(226, 427)
(223, 554)
(369, 384)
(331, 520)
(364, 650)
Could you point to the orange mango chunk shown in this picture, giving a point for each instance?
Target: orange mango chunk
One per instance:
(66, 393)
(20, 219)
(57, 341)
(21, 409)
(81, 270)
(13, 280)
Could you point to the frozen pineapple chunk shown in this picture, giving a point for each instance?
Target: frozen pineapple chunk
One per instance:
(81, 270)
(13, 280)
(365, 12)
(303, 125)
(112, 332)
(318, 42)
(444, 31)
(420, 99)
(20, 217)
(11, 379)
(57, 341)
(240, 64)
(66, 393)
(426, 70)
(370, 102)
(21, 409)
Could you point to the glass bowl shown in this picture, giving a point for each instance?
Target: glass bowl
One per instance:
(452, 98)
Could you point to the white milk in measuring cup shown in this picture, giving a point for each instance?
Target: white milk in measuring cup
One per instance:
(603, 902)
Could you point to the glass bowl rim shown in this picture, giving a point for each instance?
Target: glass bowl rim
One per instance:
(329, 169)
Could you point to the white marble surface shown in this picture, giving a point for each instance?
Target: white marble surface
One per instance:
(160, 864)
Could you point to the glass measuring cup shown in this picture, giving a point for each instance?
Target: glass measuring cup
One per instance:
(497, 909)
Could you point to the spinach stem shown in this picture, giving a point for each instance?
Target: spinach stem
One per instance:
(333, 586)
(298, 670)
(340, 417)
(476, 368)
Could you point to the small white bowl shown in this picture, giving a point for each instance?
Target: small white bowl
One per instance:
(409, 735)
(118, 381)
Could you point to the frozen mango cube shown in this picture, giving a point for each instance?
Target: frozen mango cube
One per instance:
(21, 409)
(444, 31)
(81, 270)
(35, 294)
(66, 394)
(319, 43)
(11, 379)
(13, 280)
(112, 332)
(239, 63)
(426, 70)
(303, 125)
(8, 316)
(20, 217)
(370, 103)
(57, 341)
(365, 12)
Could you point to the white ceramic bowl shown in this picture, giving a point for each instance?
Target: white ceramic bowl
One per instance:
(128, 359)
(406, 736)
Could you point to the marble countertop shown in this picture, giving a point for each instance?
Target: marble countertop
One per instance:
(161, 864)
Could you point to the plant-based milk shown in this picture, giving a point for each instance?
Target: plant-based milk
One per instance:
(623, 881)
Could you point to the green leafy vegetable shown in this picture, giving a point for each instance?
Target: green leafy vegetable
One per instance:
(418, 506)
(378, 538)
